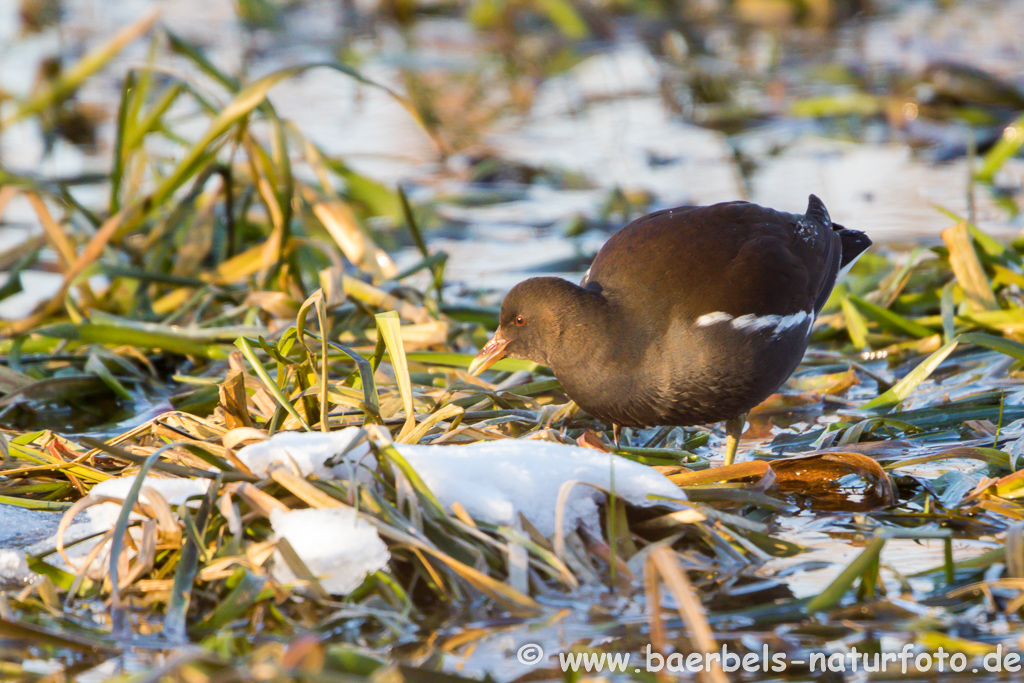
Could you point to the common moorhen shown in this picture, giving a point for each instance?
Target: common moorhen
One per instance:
(687, 316)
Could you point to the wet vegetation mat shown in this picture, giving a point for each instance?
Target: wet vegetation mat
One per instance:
(239, 441)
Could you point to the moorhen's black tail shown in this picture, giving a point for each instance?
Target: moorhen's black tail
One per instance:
(817, 212)
(854, 242)
(838, 256)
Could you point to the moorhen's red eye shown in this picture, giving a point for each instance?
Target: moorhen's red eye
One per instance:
(520, 320)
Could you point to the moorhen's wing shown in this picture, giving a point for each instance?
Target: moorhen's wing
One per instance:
(734, 258)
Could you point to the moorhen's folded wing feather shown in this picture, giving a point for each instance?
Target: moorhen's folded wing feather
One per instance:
(736, 257)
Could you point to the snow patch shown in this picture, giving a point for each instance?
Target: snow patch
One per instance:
(13, 567)
(497, 480)
(338, 548)
(175, 491)
(308, 451)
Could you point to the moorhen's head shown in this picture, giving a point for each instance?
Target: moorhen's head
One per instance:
(539, 318)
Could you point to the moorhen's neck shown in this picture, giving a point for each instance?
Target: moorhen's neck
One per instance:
(566, 324)
(593, 344)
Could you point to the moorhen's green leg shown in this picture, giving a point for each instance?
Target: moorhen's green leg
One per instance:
(733, 430)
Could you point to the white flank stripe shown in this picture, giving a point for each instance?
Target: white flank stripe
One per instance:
(793, 320)
(796, 320)
(753, 323)
(712, 318)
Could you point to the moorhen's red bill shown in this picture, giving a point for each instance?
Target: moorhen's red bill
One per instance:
(687, 316)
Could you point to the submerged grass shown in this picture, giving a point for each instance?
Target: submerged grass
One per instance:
(224, 294)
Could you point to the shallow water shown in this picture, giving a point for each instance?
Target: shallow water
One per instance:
(609, 121)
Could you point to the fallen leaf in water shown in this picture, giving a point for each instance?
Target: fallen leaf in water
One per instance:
(818, 476)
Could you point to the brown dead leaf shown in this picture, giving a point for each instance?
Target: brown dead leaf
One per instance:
(817, 476)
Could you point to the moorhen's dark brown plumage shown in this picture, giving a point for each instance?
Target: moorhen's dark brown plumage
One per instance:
(687, 316)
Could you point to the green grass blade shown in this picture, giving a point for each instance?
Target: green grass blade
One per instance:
(831, 596)
(967, 268)
(118, 335)
(321, 313)
(69, 81)
(390, 327)
(118, 160)
(563, 14)
(990, 456)
(948, 311)
(316, 299)
(369, 386)
(1009, 143)
(152, 119)
(418, 485)
(197, 57)
(99, 368)
(118, 619)
(905, 386)
(377, 197)
(33, 504)
(856, 326)
(188, 567)
(421, 245)
(240, 600)
(888, 319)
(257, 367)
(462, 360)
(1011, 348)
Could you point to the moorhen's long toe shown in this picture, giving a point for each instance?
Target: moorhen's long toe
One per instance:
(687, 316)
